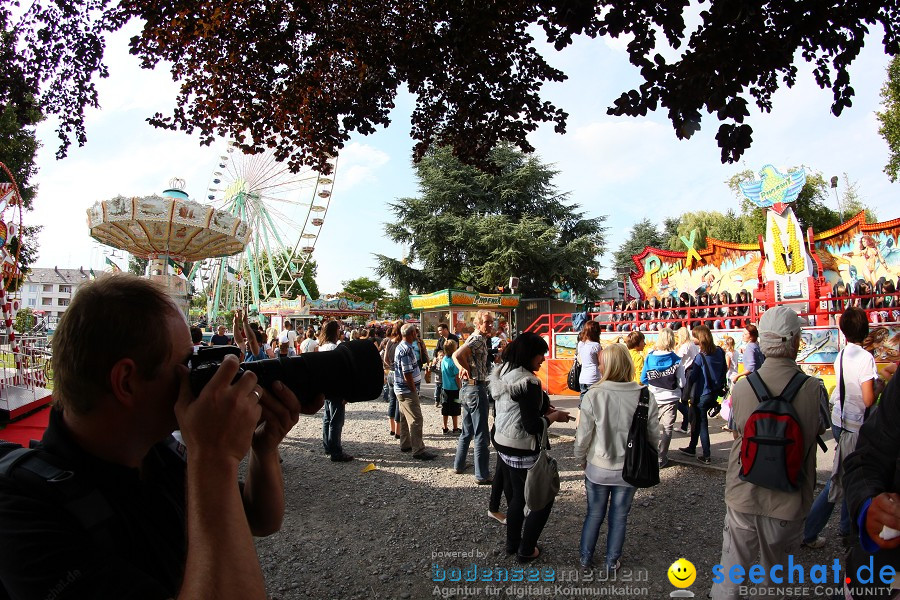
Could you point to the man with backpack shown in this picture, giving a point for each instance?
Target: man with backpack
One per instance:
(110, 505)
(777, 417)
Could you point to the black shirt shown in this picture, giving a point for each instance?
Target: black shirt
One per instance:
(442, 340)
(45, 550)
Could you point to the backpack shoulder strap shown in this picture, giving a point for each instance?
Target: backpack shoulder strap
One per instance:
(793, 386)
(759, 388)
(32, 469)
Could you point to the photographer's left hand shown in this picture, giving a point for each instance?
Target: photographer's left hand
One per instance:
(280, 412)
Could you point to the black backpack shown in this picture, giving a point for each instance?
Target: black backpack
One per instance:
(772, 452)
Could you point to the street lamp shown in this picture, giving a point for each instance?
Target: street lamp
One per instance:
(834, 183)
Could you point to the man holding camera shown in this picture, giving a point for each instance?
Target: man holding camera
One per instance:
(110, 505)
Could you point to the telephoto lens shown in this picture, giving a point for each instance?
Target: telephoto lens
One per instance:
(351, 372)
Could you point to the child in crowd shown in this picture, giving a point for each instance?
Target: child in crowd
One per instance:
(635, 344)
(449, 373)
(435, 367)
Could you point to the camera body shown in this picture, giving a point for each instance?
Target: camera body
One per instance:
(351, 372)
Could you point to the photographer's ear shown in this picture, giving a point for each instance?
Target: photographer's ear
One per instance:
(124, 381)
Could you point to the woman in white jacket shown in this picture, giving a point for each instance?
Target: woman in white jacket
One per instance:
(606, 414)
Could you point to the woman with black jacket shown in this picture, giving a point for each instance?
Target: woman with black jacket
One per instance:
(522, 408)
(708, 375)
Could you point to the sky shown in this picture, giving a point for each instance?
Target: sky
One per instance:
(624, 168)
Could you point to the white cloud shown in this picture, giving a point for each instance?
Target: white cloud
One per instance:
(357, 164)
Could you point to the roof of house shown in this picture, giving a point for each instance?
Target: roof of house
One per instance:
(55, 275)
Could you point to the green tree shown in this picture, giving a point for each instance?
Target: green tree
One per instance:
(138, 266)
(24, 320)
(398, 305)
(852, 204)
(724, 226)
(367, 289)
(19, 116)
(643, 233)
(478, 228)
(889, 120)
(318, 71)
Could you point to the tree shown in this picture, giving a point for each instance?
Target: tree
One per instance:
(643, 233)
(367, 289)
(19, 116)
(300, 77)
(138, 266)
(889, 120)
(398, 305)
(477, 228)
(24, 320)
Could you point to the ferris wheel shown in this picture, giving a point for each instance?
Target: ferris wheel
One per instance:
(285, 212)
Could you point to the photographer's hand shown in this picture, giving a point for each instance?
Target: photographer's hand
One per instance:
(280, 412)
(221, 421)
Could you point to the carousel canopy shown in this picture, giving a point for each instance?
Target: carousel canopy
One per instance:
(153, 226)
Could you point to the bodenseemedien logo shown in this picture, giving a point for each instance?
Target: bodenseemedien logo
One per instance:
(682, 575)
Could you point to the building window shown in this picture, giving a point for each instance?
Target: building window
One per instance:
(65, 289)
(62, 301)
(48, 287)
(32, 288)
(32, 301)
(47, 301)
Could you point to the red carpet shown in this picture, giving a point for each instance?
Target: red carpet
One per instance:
(30, 428)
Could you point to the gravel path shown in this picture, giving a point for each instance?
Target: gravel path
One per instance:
(354, 535)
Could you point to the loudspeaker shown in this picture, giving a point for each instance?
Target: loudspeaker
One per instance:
(513, 283)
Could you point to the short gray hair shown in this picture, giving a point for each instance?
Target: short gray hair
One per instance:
(776, 348)
(407, 328)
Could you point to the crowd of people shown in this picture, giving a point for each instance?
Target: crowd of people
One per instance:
(724, 310)
(167, 520)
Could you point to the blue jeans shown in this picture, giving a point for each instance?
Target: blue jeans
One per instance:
(616, 499)
(584, 388)
(699, 423)
(332, 426)
(821, 509)
(393, 406)
(475, 404)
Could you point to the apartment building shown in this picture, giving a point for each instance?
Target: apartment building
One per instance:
(48, 292)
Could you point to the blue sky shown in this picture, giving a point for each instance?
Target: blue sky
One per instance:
(625, 168)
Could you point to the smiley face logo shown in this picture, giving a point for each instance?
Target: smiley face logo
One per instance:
(682, 573)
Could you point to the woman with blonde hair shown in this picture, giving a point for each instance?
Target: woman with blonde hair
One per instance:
(687, 352)
(606, 413)
(664, 376)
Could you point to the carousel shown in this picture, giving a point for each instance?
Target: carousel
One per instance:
(169, 230)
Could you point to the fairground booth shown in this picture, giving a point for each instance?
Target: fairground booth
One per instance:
(457, 308)
(726, 285)
(303, 311)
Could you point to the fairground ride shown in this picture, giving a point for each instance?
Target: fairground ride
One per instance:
(285, 212)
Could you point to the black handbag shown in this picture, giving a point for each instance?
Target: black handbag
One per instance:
(641, 467)
(574, 374)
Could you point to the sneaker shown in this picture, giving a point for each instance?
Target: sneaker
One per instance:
(487, 481)
(683, 429)
(704, 459)
(819, 542)
(446, 431)
(457, 430)
(424, 455)
(342, 457)
(664, 464)
(688, 451)
(406, 449)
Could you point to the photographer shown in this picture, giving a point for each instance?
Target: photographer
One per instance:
(131, 513)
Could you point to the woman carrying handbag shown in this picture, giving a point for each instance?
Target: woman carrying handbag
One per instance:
(523, 414)
(607, 412)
